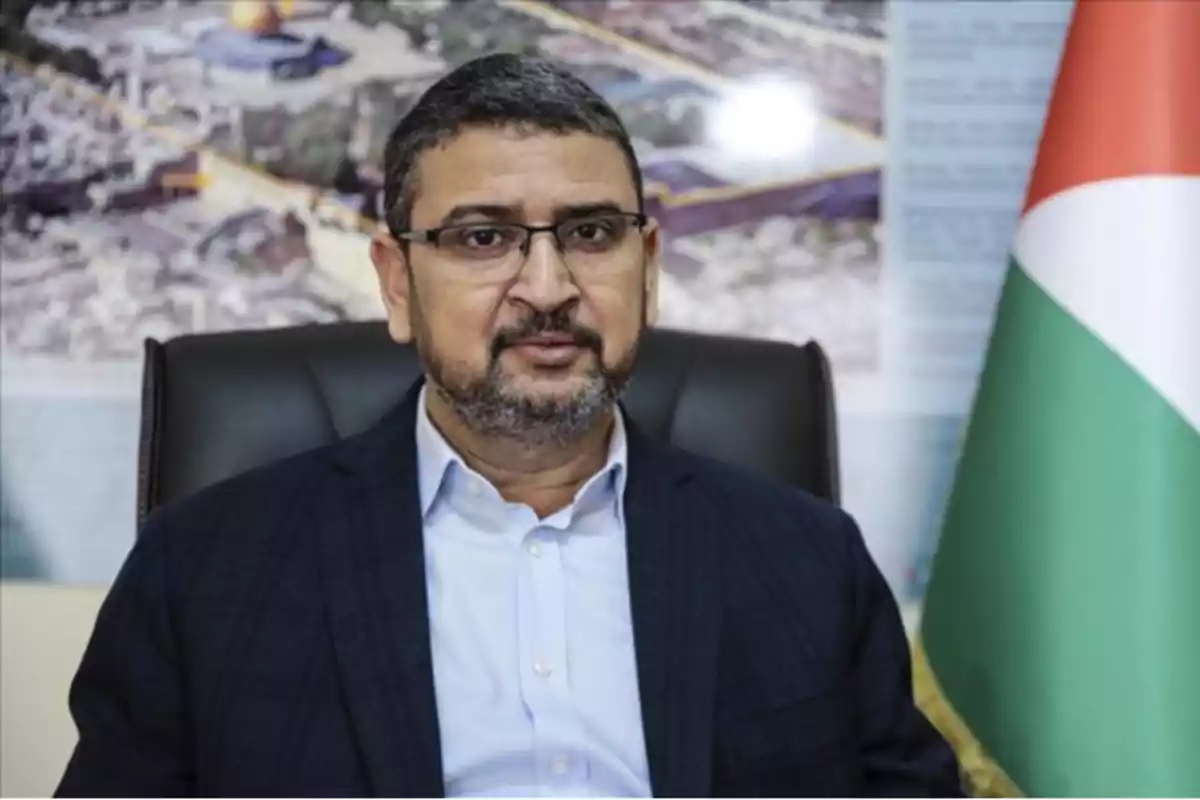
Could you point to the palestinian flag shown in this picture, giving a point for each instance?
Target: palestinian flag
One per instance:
(1060, 642)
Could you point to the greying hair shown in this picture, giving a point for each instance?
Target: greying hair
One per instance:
(503, 90)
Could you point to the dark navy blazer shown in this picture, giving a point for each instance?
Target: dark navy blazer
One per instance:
(269, 636)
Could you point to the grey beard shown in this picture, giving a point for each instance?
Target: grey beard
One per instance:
(489, 410)
(489, 406)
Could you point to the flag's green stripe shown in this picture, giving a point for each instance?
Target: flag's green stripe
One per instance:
(1063, 615)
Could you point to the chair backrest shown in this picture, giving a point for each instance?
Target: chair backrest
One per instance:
(215, 405)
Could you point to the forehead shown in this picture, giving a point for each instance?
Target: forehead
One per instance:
(536, 172)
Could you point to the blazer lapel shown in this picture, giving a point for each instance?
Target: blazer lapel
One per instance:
(673, 572)
(373, 571)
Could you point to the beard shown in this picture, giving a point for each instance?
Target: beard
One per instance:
(492, 405)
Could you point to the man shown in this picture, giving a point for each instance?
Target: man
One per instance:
(504, 587)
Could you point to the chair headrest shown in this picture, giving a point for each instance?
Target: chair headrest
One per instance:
(215, 405)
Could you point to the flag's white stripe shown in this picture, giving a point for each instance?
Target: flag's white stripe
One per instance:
(1123, 257)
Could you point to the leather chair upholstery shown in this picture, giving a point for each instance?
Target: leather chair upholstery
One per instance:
(215, 405)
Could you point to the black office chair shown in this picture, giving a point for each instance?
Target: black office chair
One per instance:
(214, 405)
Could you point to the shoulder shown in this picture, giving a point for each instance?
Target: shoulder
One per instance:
(240, 511)
(780, 548)
(791, 567)
(768, 509)
(220, 551)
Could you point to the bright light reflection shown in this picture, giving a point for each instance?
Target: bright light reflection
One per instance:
(766, 119)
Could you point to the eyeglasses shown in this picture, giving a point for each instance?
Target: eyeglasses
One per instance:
(497, 250)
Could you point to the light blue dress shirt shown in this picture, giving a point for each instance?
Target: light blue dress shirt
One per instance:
(531, 633)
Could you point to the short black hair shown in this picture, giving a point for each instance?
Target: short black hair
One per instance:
(500, 90)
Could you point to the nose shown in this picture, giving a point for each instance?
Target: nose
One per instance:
(544, 281)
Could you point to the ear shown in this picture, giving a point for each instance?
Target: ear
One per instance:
(391, 267)
(652, 235)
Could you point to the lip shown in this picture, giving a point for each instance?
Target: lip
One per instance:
(548, 340)
(549, 351)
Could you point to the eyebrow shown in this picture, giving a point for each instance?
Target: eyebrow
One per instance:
(494, 211)
(587, 209)
(507, 213)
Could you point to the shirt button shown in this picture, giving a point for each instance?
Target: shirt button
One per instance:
(534, 548)
(560, 766)
(542, 668)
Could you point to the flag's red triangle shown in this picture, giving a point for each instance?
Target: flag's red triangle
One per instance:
(1127, 99)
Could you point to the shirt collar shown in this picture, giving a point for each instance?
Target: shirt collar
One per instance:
(435, 458)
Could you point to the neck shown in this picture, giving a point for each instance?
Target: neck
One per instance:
(546, 477)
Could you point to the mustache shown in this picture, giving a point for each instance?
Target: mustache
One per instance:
(542, 322)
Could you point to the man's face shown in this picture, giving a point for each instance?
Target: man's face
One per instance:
(530, 342)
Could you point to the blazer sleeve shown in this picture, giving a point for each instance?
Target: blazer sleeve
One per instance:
(902, 754)
(127, 698)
